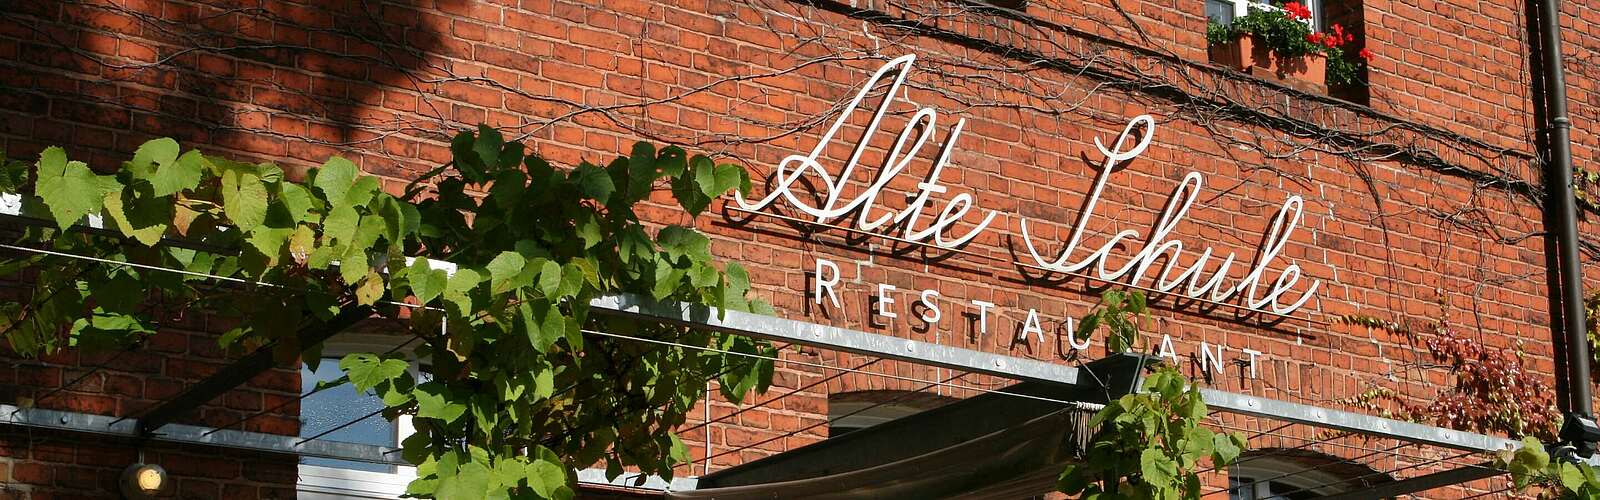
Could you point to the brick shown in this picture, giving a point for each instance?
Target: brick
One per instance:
(30, 473)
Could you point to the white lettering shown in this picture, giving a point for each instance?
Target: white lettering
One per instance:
(795, 167)
(831, 201)
(827, 283)
(983, 315)
(1157, 246)
(1253, 353)
(1167, 351)
(1215, 359)
(1072, 336)
(931, 314)
(1031, 326)
(884, 300)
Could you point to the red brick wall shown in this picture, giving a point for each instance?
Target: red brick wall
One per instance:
(48, 465)
(1407, 211)
(40, 464)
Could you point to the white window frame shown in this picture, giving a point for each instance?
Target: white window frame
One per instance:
(319, 482)
(1242, 8)
(1288, 473)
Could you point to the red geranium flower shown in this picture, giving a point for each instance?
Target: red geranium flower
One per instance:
(1366, 53)
(1297, 11)
(1314, 38)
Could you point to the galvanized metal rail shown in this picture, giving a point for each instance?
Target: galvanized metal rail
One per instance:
(1016, 368)
(189, 434)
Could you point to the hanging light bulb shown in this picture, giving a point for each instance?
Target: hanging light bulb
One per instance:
(142, 481)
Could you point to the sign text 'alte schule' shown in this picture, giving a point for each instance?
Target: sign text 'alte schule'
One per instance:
(1281, 292)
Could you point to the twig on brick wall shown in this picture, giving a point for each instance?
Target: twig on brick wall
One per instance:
(1503, 489)
(87, 374)
(852, 413)
(788, 393)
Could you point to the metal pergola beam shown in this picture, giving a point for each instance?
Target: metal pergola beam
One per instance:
(106, 425)
(115, 428)
(243, 369)
(844, 339)
(1354, 422)
(840, 339)
(1421, 483)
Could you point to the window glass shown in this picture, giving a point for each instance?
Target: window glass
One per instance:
(1219, 11)
(1250, 489)
(1302, 476)
(336, 406)
(1223, 11)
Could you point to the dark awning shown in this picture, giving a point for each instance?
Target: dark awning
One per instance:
(1003, 445)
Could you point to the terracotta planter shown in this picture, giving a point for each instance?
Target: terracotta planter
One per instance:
(1308, 72)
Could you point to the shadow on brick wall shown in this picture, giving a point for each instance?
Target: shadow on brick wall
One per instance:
(269, 80)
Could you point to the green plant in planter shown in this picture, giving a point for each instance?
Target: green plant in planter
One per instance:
(1148, 444)
(1285, 31)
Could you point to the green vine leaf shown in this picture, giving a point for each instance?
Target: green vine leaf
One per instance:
(143, 219)
(594, 182)
(244, 196)
(370, 289)
(505, 271)
(68, 188)
(547, 479)
(434, 400)
(340, 225)
(157, 162)
(543, 323)
(366, 370)
(334, 180)
(550, 279)
(1157, 468)
(425, 281)
(468, 480)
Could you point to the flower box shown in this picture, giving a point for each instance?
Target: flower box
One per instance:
(1307, 72)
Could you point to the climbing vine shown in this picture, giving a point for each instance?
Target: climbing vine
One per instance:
(517, 395)
(1148, 444)
(1491, 389)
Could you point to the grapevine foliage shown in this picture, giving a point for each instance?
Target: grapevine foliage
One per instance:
(1532, 469)
(516, 393)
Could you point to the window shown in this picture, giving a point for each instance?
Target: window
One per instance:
(1251, 489)
(1280, 474)
(335, 406)
(1224, 11)
(328, 479)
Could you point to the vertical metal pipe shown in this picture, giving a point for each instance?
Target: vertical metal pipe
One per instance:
(1558, 190)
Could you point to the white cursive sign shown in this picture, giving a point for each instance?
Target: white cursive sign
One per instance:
(1192, 281)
